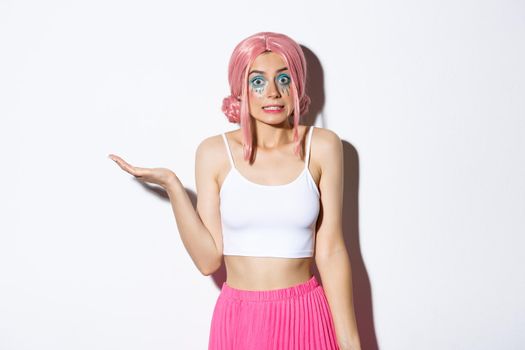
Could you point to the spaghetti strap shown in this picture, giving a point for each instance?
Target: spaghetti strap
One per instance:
(228, 150)
(308, 142)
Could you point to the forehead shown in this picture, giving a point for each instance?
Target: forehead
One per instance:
(268, 62)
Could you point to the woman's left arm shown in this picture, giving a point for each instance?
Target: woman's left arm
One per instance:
(331, 256)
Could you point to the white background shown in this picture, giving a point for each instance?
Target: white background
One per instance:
(428, 98)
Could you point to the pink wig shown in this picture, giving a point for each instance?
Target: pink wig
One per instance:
(236, 107)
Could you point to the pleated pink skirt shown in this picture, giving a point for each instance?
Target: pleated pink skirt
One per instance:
(295, 318)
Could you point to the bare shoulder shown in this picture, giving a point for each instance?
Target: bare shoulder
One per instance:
(327, 146)
(326, 139)
(210, 156)
(208, 147)
(326, 152)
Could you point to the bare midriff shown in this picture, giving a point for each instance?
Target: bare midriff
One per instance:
(263, 273)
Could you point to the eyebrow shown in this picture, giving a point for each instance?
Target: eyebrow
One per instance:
(261, 72)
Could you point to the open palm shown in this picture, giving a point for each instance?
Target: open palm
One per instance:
(159, 176)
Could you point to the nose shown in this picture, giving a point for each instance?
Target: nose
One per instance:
(273, 90)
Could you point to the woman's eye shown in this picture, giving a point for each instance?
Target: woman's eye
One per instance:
(283, 79)
(257, 82)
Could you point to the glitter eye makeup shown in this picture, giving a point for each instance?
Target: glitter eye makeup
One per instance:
(257, 84)
(284, 81)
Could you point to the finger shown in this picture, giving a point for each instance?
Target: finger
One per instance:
(134, 170)
(138, 172)
(115, 158)
(124, 165)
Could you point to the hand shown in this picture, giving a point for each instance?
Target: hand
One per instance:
(159, 176)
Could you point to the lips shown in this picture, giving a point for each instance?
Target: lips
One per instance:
(273, 107)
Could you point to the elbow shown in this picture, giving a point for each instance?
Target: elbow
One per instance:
(210, 269)
(206, 272)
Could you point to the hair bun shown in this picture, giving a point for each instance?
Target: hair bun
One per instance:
(231, 107)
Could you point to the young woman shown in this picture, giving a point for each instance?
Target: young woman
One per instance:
(269, 204)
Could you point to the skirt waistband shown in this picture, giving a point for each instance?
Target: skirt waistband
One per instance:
(270, 294)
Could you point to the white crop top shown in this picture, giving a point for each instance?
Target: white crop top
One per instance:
(269, 220)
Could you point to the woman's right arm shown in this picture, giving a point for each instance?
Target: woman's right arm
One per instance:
(200, 230)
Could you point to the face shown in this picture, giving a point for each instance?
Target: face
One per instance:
(269, 84)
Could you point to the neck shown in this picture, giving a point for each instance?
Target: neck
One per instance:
(272, 136)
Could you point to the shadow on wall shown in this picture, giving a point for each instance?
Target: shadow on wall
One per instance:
(361, 283)
(362, 291)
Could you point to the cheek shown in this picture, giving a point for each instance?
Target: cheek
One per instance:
(290, 103)
(285, 90)
(254, 96)
(254, 101)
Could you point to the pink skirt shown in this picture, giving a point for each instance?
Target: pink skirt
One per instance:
(297, 317)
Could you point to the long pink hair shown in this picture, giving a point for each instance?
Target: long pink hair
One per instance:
(236, 107)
